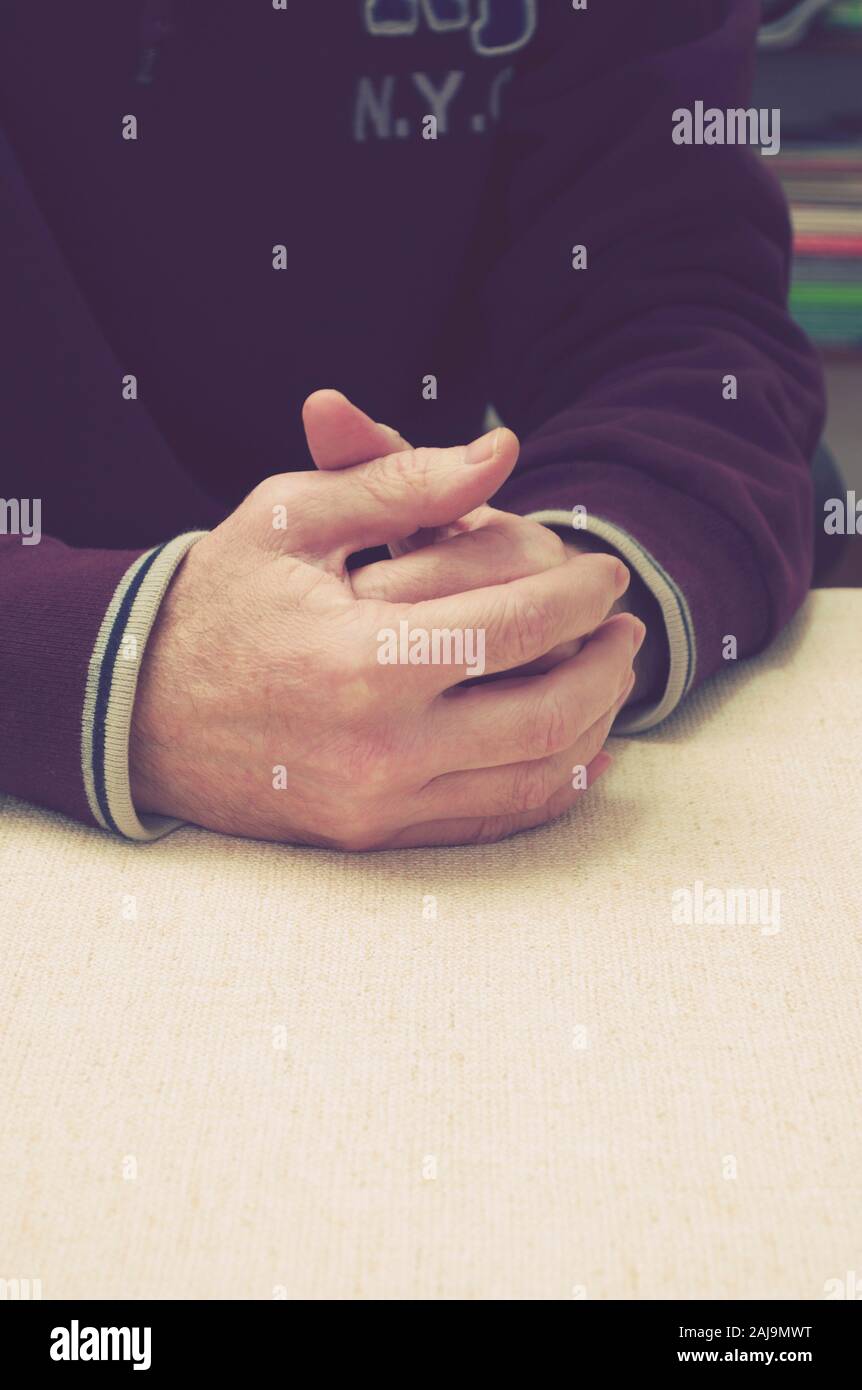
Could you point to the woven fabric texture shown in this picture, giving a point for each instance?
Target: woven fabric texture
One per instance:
(239, 1070)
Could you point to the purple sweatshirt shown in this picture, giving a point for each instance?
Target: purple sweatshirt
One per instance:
(158, 343)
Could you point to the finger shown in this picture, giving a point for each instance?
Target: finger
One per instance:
(531, 717)
(494, 554)
(520, 621)
(517, 787)
(340, 435)
(480, 516)
(564, 652)
(391, 497)
(489, 829)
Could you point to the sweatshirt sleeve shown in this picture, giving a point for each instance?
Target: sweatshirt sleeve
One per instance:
(73, 627)
(78, 463)
(664, 388)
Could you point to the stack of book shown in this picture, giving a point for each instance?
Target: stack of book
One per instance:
(811, 67)
(823, 184)
(844, 14)
(786, 23)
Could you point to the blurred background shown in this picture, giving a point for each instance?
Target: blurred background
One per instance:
(810, 65)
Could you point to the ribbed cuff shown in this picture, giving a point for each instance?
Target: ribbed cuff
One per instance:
(112, 680)
(679, 627)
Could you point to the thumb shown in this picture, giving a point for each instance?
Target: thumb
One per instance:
(389, 498)
(339, 434)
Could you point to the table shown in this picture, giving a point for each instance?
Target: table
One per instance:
(239, 1070)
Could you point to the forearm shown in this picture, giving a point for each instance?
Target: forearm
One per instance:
(73, 627)
(665, 391)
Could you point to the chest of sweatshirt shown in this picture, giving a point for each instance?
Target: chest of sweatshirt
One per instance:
(257, 202)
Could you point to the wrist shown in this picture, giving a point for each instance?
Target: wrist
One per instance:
(153, 734)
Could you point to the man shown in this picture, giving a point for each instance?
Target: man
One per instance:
(214, 209)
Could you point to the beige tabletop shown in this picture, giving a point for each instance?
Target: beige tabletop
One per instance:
(238, 1070)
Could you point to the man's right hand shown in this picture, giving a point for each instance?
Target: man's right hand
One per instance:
(262, 708)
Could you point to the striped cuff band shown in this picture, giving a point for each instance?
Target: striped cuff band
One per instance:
(112, 680)
(674, 608)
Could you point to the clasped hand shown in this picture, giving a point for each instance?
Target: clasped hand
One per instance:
(263, 708)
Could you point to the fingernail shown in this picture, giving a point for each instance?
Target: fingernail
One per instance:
(638, 635)
(482, 450)
(623, 578)
(395, 438)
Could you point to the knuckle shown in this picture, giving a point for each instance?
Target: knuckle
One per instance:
(552, 726)
(547, 545)
(380, 482)
(525, 627)
(593, 741)
(420, 462)
(486, 831)
(378, 581)
(277, 488)
(531, 787)
(385, 478)
(533, 537)
(272, 506)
